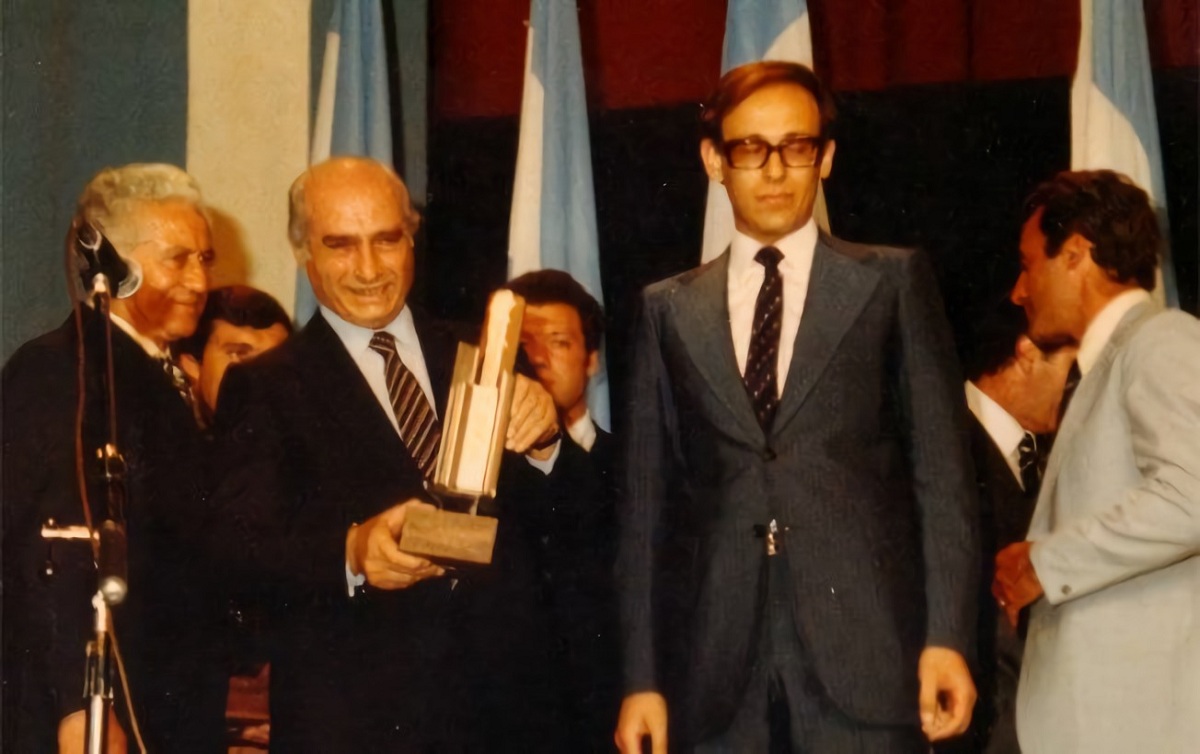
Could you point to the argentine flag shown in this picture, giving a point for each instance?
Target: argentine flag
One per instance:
(553, 221)
(757, 30)
(1113, 121)
(353, 112)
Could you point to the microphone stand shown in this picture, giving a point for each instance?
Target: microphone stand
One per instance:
(108, 541)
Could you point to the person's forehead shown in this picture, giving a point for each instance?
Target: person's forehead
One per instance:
(773, 101)
(172, 221)
(225, 333)
(553, 317)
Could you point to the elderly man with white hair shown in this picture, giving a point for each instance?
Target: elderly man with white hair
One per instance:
(168, 683)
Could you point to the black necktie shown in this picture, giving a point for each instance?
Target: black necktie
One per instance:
(1031, 468)
(419, 429)
(763, 355)
(183, 386)
(1073, 378)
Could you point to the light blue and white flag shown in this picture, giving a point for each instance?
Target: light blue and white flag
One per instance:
(757, 30)
(1113, 121)
(353, 111)
(553, 221)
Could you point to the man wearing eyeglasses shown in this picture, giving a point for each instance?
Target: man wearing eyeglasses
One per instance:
(798, 547)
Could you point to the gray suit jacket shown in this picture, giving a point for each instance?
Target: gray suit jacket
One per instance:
(867, 463)
(1112, 659)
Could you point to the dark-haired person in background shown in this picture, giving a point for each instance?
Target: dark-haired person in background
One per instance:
(1112, 561)
(238, 323)
(570, 513)
(1013, 391)
(168, 627)
(796, 453)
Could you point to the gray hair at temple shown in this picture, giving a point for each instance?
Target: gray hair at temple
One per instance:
(113, 193)
(298, 209)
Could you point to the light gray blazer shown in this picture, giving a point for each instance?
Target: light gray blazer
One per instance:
(1112, 659)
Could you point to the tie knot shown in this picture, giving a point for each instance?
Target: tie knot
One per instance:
(383, 343)
(769, 257)
(1028, 445)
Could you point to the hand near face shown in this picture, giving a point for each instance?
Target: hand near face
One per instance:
(947, 693)
(532, 418)
(1015, 584)
(371, 551)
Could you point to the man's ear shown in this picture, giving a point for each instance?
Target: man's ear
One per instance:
(1077, 250)
(827, 158)
(190, 367)
(593, 363)
(714, 165)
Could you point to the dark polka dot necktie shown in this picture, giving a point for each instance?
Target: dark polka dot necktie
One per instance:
(419, 428)
(763, 356)
(1073, 378)
(1030, 464)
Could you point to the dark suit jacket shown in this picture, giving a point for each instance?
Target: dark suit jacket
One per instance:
(168, 626)
(570, 519)
(305, 451)
(866, 462)
(1004, 513)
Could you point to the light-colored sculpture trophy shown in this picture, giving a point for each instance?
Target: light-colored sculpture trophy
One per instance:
(473, 433)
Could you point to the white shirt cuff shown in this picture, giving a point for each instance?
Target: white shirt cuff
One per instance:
(353, 582)
(547, 465)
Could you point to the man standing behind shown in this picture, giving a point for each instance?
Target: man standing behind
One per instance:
(1112, 661)
(1013, 391)
(571, 514)
(238, 323)
(796, 455)
(167, 627)
(324, 445)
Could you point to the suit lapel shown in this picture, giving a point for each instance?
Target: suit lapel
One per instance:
(439, 348)
(350, 404)
(1089, 390)
(702, 316)
(838, 289)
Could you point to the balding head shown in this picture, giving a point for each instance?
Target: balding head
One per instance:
(346, 170)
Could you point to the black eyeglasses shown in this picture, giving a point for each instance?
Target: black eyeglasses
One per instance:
(752, 153)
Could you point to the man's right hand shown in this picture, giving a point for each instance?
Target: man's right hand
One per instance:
(642, 714)
(371, 551)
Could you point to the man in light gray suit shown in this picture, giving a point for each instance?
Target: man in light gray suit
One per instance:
(1112, 562)
(798, 551)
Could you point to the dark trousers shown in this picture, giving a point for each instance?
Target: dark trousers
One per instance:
(784, 709)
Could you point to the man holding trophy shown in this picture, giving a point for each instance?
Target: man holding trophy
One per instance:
(327, 446)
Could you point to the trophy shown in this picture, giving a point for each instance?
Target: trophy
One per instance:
(473, 433)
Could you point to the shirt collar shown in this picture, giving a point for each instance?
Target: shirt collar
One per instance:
(358, 339)
(149, 346)
(1004, 430)
(583, 431)
(794, 247)
(1104, 324)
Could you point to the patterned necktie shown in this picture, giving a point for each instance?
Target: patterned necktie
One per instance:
(183, 386)
(419, 428)
(1073, 378)
(763, 355)
(1027, 456)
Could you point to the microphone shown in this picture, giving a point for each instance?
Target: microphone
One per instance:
(100, 258)
(111, 562)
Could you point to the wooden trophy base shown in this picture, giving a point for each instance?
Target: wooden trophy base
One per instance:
(449, 538)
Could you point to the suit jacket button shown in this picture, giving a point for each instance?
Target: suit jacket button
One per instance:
(768, 454)
(1066, 589)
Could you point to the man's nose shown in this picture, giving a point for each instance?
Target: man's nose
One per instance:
(1019, 294)
(367, 268)
(196, 275)
(774, 169)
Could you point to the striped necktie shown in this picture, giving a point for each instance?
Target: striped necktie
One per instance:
(419, 428)
(763, 355)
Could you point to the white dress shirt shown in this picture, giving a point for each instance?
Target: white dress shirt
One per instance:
(1004, 430)
(149, 346)
(583, 431)
(357, 341)
(745, 280)
(1102, 326)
